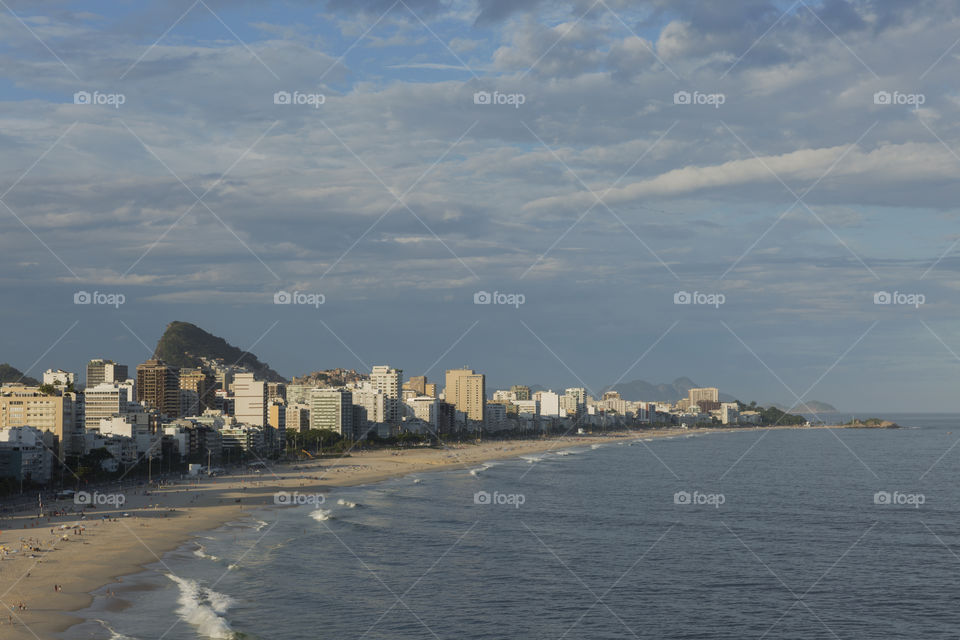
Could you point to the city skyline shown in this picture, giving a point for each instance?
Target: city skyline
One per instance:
(761, 193)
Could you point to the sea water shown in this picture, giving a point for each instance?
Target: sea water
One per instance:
(778, 534)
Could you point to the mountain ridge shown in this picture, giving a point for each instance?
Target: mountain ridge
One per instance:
(184, 344)
(9, 373)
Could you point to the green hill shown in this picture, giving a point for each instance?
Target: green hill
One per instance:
(12, 374)
(184, 344)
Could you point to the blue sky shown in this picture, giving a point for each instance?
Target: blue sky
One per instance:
(794, 188)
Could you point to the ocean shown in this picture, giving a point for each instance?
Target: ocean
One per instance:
(777, 534)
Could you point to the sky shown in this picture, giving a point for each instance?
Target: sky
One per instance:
(758, 195)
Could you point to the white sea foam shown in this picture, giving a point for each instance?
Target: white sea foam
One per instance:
(417, 481)
(201, 552)
(346, 503)
(321, 515)
(532, 459)
(595, 446)
(203, 608)
(114, 635)
(476, 472)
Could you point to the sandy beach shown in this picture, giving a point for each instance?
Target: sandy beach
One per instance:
(51, 551)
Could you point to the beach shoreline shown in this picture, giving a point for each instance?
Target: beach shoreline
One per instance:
(163, 520)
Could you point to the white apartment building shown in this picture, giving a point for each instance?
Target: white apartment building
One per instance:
(389, 382)
(549, 403)
(146, 444)
(424, 408)
(528, 408)
(123, 450)
(729, 413)
(250, 400)
(244, 437)
(58, 377)
(104, 401)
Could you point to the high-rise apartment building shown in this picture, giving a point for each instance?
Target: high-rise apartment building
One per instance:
(520, 391)
(277, 420)
(276, 391)
(100, 371)
(298, 417)
(416, 383)
(104, 401)
(549, 403)
(424, 408)
(388, 381)
(574, 401)
(467, 391)
(201, 383)
(158, 387)
(250, 400)
(332, 409)
(22, 406)
(374, 403)
(706, 394)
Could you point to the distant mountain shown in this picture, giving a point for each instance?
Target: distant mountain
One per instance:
(9, 373)
(183, 344)
(813, 405)
(641, 390)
